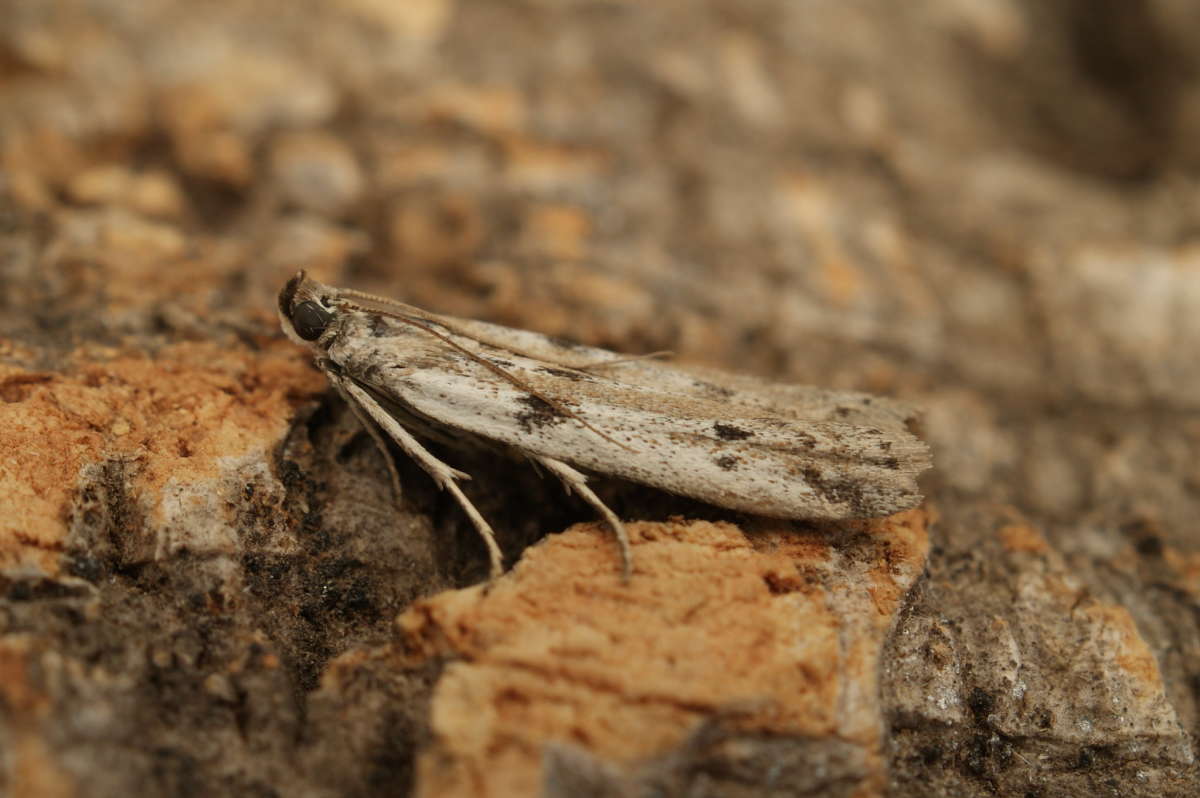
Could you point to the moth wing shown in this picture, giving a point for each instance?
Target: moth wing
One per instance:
(801, 402)
(809, 402)
(529, 344)
(730, 455)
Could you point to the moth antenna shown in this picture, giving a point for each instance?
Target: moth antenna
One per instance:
(517, 381)
(382, 300)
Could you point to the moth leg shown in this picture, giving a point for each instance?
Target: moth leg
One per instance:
(576, 482)
(442, 474)
(371, 427)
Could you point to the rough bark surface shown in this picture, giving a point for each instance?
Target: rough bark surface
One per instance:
(208, 586)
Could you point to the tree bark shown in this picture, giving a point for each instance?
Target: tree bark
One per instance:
(209, 586)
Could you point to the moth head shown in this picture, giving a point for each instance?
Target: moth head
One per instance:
(305, 309)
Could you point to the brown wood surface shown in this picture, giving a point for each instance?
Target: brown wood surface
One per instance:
(208, 587)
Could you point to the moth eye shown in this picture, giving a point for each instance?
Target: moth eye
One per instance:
(310, 320)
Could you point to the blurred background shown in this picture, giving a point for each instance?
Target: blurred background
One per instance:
(992, 193)
(989, 207)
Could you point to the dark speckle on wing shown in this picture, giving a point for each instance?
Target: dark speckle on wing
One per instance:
(380, 328)
(728, 432)
(539, 413)
(837, 490)
(727, 462)
(712, 389)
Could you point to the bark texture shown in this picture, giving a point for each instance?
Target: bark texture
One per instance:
(208, 586)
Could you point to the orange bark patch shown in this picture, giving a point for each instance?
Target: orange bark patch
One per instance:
(782, 633)
(1023, 537)
(33, 770)
(174, 413)
(1126, 646)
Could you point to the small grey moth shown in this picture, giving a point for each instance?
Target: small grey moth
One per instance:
(784, 451)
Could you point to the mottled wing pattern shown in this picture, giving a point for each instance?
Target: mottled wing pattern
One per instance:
(784, 451)
(787, 400)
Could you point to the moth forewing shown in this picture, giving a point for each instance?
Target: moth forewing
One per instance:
(760, 464)
(737, 442)
(785, 399)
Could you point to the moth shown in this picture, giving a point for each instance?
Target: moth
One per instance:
(784, 451)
